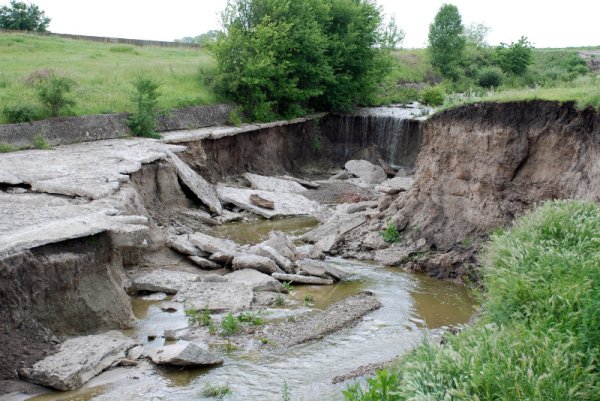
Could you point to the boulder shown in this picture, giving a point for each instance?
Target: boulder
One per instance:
(312, 268)
(399, 183)
(334, 272)
(199, 215)
(217, 297)
(78, 360)
(210, 244)
(183, 354)
(374, 241)
(338, 225)
(167, 281)
(367, 172)
(387, 190)
(204, 263)
(392, 256)
(135, 352)
(263, 183)
(286, 204)
(255, 262)
(182, 244)
(198, 185)
(256, 280)
(386, 167)
(281, 261)
(342, 175)
(262, 202)
(223, 258)
(298, 279)
(282, 245)
(360, 207)
(304, 183)
(324, 245)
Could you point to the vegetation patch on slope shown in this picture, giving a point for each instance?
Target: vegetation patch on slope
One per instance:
(538, 337)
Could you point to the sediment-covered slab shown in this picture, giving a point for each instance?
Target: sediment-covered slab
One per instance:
(286, 204)
(256, 280)
(299, 279)
(273, 184)
(78, 360)
(183, 354)
(219, 297)
(167, 281)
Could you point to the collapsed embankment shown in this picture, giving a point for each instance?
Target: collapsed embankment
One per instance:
(481, 166)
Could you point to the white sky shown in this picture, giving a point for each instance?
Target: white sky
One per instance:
(547, 23)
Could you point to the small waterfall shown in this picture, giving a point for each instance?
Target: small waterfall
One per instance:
(394, 133)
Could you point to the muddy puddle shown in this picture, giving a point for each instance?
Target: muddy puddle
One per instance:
(411, 305)
(255, 231)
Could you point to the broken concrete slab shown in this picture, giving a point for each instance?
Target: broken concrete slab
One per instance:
(323, 246)
(336, 225)
(399, 183)
(217, 297)
(256, 262)
(393, 256)
(210, 244)
(299, 279)
(167, 281)
(183, 354)
(286, 204)
(78, 360)
(304, 183)
(321, 269)
(198, 185)
(271, 184)
(256, 280)
(367, 172)
(199, 215)
(314, 326)
(282, 262)
(281, 244)
(224, 258)
(204, 263)
(262, 202)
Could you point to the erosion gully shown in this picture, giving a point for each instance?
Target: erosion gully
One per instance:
(413, 306)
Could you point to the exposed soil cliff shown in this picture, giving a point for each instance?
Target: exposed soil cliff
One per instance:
(482, 165)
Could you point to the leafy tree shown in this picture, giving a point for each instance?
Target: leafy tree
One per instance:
(206, 39)
(516, 57)
(477, 34)
(392, 36)
(21, 16)
(283, 58)
(447, 42)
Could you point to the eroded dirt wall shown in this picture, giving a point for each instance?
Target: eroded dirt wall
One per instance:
(68, 288)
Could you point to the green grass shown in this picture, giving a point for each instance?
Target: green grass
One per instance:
(538, 337)
(103, 72)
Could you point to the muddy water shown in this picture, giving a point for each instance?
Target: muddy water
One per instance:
(411, 305)
(255, 231)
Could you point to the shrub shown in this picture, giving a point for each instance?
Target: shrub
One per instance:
(516, 57)
(52, 90)
(433, 96)
(40, 142)
(142, 122)
(5, 148)
(390, 234)
(229, 325)
(197, 318)
(19, 113)
(447, 42)
(490, 77)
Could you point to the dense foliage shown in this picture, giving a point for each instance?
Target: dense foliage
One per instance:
(52, 90)
(516, 57)
(142, 122)
(21, 16)
(283, 58)
(538, 337)
(447, 42)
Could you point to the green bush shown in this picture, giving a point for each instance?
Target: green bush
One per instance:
(390, 234)
(5, 148)
(229, 325)
(433, 96)
(516, 57)
(21, 16)
(285, 58)
(490, 77)
(142, 122)
(19, 113)
(52, 90)
(40, 142)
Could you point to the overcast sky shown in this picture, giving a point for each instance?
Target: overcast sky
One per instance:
(547, 23)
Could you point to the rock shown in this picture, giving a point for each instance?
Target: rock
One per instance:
(229, 217)
(223, 258)
(342, 175)
(399, 183)
(323, 246)
(334, 272)
(262, 202)
(78, 360)
(170, 307)
(183, 354)
(217, 297)
(278, 185)
(387, 190)
(389, 171)
(298, 279)
(336, 225)
(199, 215)
(384, 202)
(214, 278)
(360, 207)
(305, 251)
(135, 352)
(375, 241)
(204, 263)
(312, 268)
(182, 244)
(392, 256)
(367, 172)
(255, 262)
(281, 244)
(286, 204)
(256, 280)
(304, 183)
(170, 335)
(157, 296)
(168, 281)
(281, 261)
(212, 244)
(198, 185)
(421, 243)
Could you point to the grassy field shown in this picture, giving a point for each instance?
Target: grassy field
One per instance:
(103, 72)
